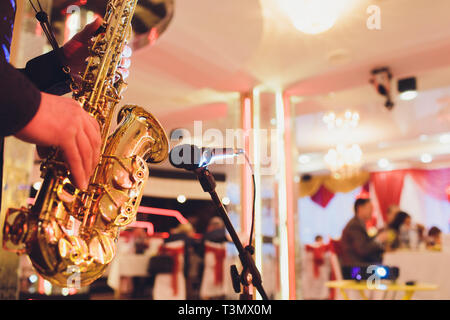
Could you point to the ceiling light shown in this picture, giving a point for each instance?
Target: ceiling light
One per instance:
(304, 159)
(426, 158)
(383, 163)
(37, 185)
(181, 198)
(313, 17)
(344, 160)
(349, 119)
(226, 201)
(407, 88)
(408, 95)
(33, 278)
(445, 138)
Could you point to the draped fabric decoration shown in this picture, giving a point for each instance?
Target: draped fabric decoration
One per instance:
(318, 256)
(347, 184)
(316, 271)
(388, 188)
(433, 182)
(219, 254)
(322, 197)
(336, 274)
(310, 185)
(175, 253)
(365, 191)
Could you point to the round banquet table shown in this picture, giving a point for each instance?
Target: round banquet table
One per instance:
(423, 266)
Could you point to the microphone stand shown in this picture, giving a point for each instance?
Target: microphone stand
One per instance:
(208, 184)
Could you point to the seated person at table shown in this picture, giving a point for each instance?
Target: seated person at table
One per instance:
(358, 248)
(434, 239)
(399, 231)
(140, 240)
(392, 213)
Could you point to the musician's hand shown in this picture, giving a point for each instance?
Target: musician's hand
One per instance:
(62, 123)
(76, 49)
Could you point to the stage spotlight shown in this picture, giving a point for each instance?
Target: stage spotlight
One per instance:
(426, 158)
(383, 163)
(407, 88)
(181, 198)
(226, 201)
(37, 185)
(303, 159)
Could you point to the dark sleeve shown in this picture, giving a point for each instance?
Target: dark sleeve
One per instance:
(46, 73)
(20, 99)
(19, 89)
(363, 245)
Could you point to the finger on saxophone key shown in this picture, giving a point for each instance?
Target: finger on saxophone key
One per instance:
(60, 122)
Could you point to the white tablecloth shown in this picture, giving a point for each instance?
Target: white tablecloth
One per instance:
(127, 265)
(423, 266)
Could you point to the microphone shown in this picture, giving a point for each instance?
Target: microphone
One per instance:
(191, 157)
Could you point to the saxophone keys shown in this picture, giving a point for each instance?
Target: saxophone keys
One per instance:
(75, 249)
(121, 178)
(141, 169)
(15, 232)
(102, 249)
(51, 231)
(111, 203)
(127, 215)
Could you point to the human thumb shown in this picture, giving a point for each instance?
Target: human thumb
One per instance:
(88, 31)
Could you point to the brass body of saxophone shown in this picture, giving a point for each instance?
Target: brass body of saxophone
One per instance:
(70, 235)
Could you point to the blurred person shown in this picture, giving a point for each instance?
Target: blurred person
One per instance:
(215, 231)
(399, 232)
(434, 240)
(421, 233)
(391, 213)
(318, 240)
(140, 242)
(172, 286)
(358, 248)
(215, 240)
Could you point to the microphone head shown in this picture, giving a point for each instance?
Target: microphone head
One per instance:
(189, 157)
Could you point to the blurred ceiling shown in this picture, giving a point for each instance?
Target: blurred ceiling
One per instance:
(214, 49)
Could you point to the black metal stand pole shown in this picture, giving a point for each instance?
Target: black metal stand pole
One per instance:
(208, 184)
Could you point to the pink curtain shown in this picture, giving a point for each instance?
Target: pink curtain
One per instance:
(433, 182)
(388, 188)
(322, 197)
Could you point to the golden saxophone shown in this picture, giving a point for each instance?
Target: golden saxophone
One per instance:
(70, 235)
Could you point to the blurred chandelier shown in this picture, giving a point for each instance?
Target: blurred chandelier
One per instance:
(349, 119)
(314, 16)
(344, 161)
